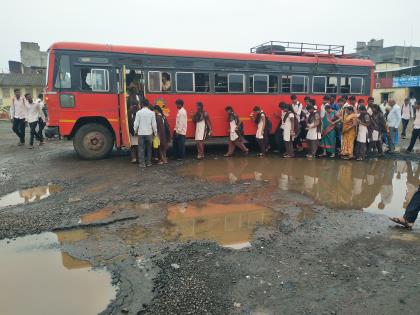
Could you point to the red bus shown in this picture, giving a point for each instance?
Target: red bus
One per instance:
(87, 86)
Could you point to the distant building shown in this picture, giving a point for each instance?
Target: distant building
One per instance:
(27, 83)
(397, 73)
(396, 82)
(374, 49)
(28, 74)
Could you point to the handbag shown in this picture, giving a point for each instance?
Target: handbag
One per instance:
(156, 142)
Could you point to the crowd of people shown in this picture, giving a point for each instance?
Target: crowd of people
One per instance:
(343, 127)
(24, 111)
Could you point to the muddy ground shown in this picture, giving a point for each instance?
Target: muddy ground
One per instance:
(307, 259)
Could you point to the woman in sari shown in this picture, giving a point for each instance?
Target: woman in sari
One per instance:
(163, 133)
(349, 133)
(328, 133)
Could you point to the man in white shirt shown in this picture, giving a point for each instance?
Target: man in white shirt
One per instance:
(42, 123)
(145, 127)
(18, 112)
(394, 120)
(180, 130)
(406, 114)
(416, 128)
(34, 117)
(413, 101)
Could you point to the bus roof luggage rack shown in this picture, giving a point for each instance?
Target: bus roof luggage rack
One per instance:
(297, 49)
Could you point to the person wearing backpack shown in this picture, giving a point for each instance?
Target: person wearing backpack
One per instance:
(235, 133)
(261, 135)
(314, 131)
(289, 123)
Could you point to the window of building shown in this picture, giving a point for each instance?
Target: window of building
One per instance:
(96, 80)
(5, 92)
(220, 83)
(332, 84)
(273, 84)
(260, 83)
(319, 84)
(356, 85)
(236, 83)
(285, 84)
(202, 82)
(63, 78)
(299, 84)
(184, 82)
(344, 85)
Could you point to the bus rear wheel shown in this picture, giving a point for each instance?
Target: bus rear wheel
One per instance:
(93, 141)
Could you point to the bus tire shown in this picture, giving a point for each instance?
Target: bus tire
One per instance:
(93, 141)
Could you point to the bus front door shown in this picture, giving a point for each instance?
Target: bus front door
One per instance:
(123, 112)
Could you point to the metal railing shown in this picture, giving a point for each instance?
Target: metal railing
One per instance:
(296, 48)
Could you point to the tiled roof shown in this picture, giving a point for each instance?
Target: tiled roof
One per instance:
(15, 80)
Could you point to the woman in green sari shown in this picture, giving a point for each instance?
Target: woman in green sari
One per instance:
(328, 133)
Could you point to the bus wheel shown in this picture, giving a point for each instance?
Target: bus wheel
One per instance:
(93, 141)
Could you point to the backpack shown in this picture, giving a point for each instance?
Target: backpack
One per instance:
(296, 126)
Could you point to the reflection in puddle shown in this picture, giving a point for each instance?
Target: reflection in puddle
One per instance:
(228, 220)
(28, 195)
(33, 270)
(98, 215)
(382, 186)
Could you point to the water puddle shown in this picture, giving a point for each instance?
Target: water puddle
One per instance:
(227, 220)
(34, 270)
(381, 186)
(29, 195)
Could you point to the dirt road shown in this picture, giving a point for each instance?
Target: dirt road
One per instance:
(222, 237)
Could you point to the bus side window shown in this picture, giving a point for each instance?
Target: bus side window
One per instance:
(184, 81)
(154, 81)
(202, 82)
(236, 83)
(285, 84)
(63, 78)
(356, 85)
(344, 85)
(220, 83)
(166, 82)
(96, 80)
(332, 84)
(260, 83)
(319, 84)
(273, 84)
(300, 84)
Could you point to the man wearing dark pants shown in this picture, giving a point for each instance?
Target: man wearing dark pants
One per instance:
(411, 213)
(416, 128)
(180, 130)
(145, 126)
(393, 120)
(18, 112)
(34, 117)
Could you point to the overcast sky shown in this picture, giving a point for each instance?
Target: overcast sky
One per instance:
(222, 25)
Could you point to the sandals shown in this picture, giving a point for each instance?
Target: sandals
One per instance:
(403, 223)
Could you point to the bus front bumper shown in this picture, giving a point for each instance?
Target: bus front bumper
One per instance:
(51, 132)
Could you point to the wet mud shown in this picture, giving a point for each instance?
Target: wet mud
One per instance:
(220, 236)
